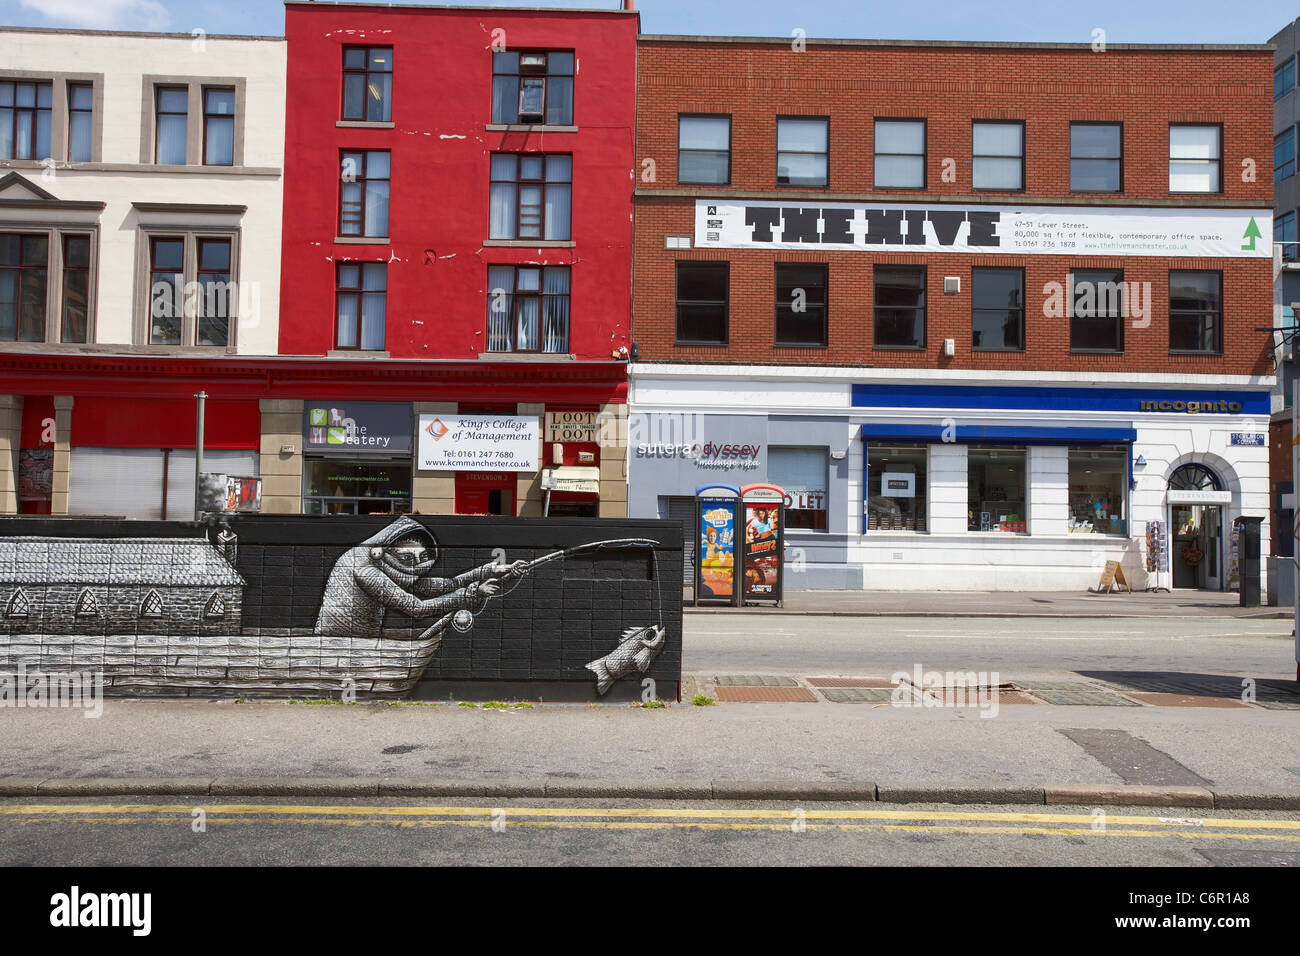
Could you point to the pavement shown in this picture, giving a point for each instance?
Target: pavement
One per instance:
(958, 604)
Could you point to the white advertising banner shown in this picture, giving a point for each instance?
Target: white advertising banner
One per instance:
(479, 442)
(1015, 230)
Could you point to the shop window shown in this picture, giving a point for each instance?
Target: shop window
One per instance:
(803, 473)
(1195, 312)
(349, 486)
(998, 160)
(25, 119)
(1097, 310)
(81, 110)
(704, 150)
(361, 303)
(218, 126)
(998, 309)
(1099, 490)
(900, 154)
(532, 87)
(1096, 157)
(801, 304)
(801, 151)
(900, 307)
(702, 299)
(35, 480)
(364, 192)
(528, 309)
(368, 84)
(1195, 158)
(530, 196)
(896, 487)
(997, 489)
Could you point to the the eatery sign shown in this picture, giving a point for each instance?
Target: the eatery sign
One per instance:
(1015, 230)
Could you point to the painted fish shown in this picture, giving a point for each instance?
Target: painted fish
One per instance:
(636, 649)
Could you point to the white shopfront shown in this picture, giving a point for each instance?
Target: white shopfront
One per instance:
(959, 481)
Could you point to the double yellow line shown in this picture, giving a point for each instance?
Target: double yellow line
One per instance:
(655, 818)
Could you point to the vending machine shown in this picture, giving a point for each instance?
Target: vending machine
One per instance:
(762, 511)
(715, 544)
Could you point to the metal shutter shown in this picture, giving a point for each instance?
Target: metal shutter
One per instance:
(180, 476)
(683, 510)
(121, 482)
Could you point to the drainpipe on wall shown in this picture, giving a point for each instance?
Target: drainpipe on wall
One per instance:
(198, 454)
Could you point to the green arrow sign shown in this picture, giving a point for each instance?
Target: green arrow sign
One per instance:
(1252, 233)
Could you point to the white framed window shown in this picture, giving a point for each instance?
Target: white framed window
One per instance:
(1195, 158)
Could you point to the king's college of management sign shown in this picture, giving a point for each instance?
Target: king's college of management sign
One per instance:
(1016, 230)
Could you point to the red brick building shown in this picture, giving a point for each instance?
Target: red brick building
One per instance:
(997, 264)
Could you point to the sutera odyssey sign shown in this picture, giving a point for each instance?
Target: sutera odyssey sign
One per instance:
(1018, 230)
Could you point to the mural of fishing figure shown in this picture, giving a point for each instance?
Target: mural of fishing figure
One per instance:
(393, 571)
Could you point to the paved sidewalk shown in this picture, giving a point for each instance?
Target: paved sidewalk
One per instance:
(1005, 604)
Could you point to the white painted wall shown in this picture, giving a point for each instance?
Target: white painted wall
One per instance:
(120, 180)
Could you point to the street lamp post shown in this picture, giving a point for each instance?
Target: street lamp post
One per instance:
(198, 455)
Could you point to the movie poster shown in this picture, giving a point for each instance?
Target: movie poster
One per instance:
(762, 559)
(717, 549)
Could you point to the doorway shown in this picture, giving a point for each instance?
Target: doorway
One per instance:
(1197, 553)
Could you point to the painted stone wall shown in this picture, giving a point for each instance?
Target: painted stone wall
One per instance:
(561, 609)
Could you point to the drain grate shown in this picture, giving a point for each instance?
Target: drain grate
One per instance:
(754, 680)
(757, 695)
(858, 695)
(1185, 700)
(1078, 695)
(850, 681)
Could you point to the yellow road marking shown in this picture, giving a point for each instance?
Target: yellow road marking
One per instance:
(325, 810)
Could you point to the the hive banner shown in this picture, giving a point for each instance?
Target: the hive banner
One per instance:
(1014, 230)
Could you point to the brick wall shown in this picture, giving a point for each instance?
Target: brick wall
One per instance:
(1146, 90)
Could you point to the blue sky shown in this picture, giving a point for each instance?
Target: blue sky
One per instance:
(1125, 21)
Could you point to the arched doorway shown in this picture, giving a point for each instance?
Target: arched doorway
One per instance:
(1197, 499)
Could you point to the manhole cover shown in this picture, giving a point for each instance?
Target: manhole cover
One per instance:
(753, 695)
(754, 680)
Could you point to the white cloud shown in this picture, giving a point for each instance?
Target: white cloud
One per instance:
(103, 14)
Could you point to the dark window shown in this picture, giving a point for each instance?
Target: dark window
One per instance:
(900, 154)
(1284, 78)
(81, 108)
(363, 194)
(900, 307)
(171, 120)
(531, 196)
(704, 149)
(361, 305)
(800, 304)
(1284, 155)
(528, 309)
(702, 294)
(801, 151)
(76, 288)
(1195, 312)
(25, 120)
(368, 84)
(1195, 158)
(998, 309)
(1096, 158)
(218, 126)
(532, 87)
(166, 289)
(998, 156)
(23, 269)
(215, 290)
(1097, 313)
(1284, 232)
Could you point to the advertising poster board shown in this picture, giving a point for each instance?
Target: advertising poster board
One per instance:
(715, 563)
(763, 512)
(479, 442)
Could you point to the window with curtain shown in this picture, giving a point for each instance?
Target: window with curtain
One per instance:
(530, 196)
(25, 119)
(24, 260)
(801, 151)
(364, 193)
(1195, 159)
(998, 155)
(171, 120)
(802, 472)
(900, 154)
(704, 149)
(1284, 155)
(1096, 157)
(1195, 311)
(368, 84)
(218, 126)
(528, 309)
(81, 103)
(532, 87)
(361, 296)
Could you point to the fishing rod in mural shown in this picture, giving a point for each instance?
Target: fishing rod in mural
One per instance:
(167, 612)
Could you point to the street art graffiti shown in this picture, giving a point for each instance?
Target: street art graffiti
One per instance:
(277, 606)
